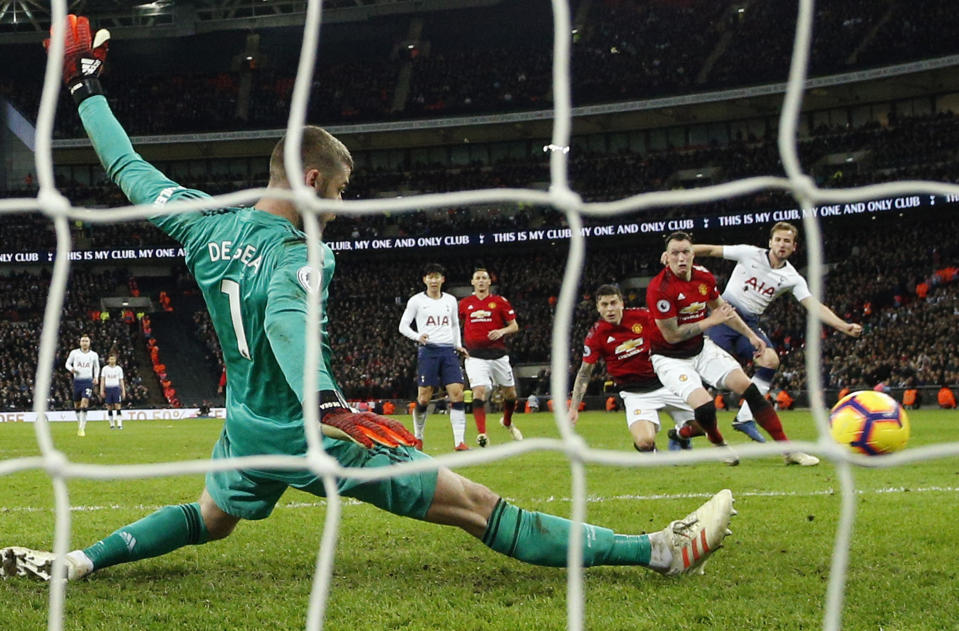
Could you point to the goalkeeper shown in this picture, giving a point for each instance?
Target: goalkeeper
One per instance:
(251, 266)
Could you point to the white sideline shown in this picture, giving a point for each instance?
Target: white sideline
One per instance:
(157, 414)
(590, 499)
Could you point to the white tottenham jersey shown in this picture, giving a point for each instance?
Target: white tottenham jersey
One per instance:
(112, 376)
(437, 317)
(86, 365)
(754, 284)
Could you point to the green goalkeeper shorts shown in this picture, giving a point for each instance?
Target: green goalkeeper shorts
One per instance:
(252, 494)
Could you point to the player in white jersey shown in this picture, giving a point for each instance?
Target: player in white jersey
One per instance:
(761, 276)
(438, 335)
(113, 390)
(84, 367)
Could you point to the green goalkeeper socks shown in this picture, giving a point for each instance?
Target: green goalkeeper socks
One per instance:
(169, 528)
(543, 539)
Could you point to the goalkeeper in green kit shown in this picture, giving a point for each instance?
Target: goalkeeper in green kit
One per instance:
(251, 266)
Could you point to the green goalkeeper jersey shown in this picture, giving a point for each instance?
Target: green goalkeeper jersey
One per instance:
(251, 267)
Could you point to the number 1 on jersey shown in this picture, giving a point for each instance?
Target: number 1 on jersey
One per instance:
(232, 290)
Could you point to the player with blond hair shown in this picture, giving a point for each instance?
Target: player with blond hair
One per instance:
(113, 390)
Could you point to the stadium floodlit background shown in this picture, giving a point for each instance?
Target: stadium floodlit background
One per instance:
(457, 98)
(455, 95)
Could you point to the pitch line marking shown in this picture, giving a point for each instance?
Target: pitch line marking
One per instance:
(590, 499)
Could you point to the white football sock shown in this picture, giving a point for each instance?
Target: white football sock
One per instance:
(419, 424)
(458, 421)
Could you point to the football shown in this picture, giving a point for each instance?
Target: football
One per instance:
(869, 422)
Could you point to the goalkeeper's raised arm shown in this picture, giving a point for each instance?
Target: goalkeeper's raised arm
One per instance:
(85, 57)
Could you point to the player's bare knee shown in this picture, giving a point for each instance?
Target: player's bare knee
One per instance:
(769, 359)
(644, 445)
(737, 381)
(480, 496)
(219, 524)
(219, 529)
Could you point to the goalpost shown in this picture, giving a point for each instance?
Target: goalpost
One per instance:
(50, 202)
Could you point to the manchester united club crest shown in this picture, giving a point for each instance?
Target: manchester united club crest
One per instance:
(703, 290)
(491, 305)
(637, 328)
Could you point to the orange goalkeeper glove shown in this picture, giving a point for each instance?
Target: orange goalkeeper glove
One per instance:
(83, 57)
(365, 428)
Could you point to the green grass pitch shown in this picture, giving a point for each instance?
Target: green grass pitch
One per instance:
(394, 573)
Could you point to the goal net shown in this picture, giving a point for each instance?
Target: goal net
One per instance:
(561, 197)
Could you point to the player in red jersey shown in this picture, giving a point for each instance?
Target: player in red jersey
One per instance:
(487, 319)
(621, 339)
(684, 301)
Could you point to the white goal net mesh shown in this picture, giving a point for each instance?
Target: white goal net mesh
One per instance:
(559, 196)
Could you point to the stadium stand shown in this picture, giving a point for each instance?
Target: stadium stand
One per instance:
(386, 69)
(873, 279)
(456, 65)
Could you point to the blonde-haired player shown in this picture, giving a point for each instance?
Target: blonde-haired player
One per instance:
(113, 390)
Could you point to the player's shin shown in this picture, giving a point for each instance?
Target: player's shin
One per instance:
(479, 415)
(167, 529)
(543, 539)
(509, 406)
(765, 413)
(419, 420)
(763, 379)
(705, 416)
(458, 421)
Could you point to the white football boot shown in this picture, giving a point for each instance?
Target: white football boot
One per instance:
(803, 460)
(38, 564)
(513, 430)
(693, 539)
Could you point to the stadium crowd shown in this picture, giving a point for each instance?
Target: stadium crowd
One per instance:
(906, 147)
(893, 280)
(899, 279)
(24, 298)
(475, 61)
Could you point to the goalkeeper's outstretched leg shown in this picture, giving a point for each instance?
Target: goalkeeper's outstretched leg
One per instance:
(542, 539)
(532, 537)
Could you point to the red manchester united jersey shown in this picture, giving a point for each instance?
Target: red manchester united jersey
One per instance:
(625, 348)
(669, 296)
(479, 317)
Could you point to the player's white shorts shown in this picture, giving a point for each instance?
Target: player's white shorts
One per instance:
(646, 407)
(489, 372)
(683, 376)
